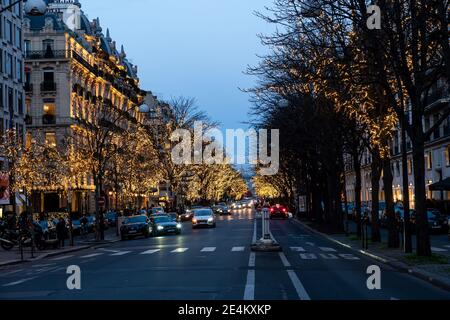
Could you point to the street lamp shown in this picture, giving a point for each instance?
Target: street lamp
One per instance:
(32, 7)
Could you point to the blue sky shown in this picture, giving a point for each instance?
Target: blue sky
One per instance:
(194, 48)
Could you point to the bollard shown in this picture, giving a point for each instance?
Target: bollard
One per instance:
(266, 243)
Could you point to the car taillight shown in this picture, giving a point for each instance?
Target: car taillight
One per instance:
(272, 209)
(284, 209)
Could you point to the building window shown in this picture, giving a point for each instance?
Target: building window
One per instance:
(437, 132)
(429, 160)
(50, 139)
(447, 156)
(19, 71)
(20, 102)
(2, 104)
(27, 47)
(18, 37)
(9, 65)
(10, 100)
(410, 166)
(48, 47)
(9, 31)
(1, 57)
(49, 113)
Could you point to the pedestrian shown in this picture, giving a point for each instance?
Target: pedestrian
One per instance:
(61, 231)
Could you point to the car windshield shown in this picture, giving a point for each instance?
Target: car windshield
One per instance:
(136, 220)
(162, 219)
(432, 214)
(201, 213)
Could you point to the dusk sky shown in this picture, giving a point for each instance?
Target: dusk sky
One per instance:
(193, 48)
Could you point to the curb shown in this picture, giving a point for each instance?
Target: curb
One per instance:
(420, 274)
(57, 253)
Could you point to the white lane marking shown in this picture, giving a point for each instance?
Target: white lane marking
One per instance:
(328, 256)
(438, 249)
(122, 253)
(152, 251)
(312, 244)
(249, 293)
(92, 255)
(110, 251)
(62, 258)
(298, 249)
(252, 260)
(208, 249)
(179, 250)
(238, 249)
(284, 260)
(10, 273)
(43, 265)
(348, 256)
(327, 249)
(18, 282)
(447, 246)
(301, 292)
(308, 256)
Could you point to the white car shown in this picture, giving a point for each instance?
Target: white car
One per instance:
(203, 217)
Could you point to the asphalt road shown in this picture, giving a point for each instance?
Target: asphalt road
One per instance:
(214, 264)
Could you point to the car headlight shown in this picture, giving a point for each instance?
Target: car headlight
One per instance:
(160, 228)
(210, 220)
(179, 225)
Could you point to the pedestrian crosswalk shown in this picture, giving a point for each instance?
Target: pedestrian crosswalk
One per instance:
(325, 253)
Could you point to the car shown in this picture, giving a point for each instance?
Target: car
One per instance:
(76, 226)
(279, 211)
(164, 224)
(222, 210)
(173, 216)
(111, 218)
(156, 210)
(188, 214)
(437, 222)
(135, 226)
(203, 217)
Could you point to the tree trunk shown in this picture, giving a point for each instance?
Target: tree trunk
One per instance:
(393, 237)
(376, 174)
(407, 241)
(358, 187)
(423, 237)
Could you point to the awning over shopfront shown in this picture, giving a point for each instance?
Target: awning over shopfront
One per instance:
(443, 185)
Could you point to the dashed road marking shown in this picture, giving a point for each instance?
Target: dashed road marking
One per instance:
(312, 244)
(92, 255)
(152, 251)
(252, 260)
(15, 283)
(238, 249)
(301, 292)
(179, 250)
(121, 253)
(208, 249)
(298, 249)
(308, 256)
(327, 249)
(284, 260)
(348, 256)
(328, 256)
(249, 293)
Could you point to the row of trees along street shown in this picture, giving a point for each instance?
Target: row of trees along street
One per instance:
(335, 88)
(119, 152)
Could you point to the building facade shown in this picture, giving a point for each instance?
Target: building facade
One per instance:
(437, 156)
(12, 113)
(73, 72)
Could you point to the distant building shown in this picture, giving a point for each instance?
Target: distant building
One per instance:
(11, 75)
(71, 69)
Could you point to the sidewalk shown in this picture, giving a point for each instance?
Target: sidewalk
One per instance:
(435, 270)
(80, 243)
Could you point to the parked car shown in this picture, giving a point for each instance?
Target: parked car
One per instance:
(135, 226)
(279, 211)
(203, 217)
(76, 226)
(164, 224)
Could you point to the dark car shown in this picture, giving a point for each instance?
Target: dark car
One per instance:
(189, 213)
(111, 218)
(174, 216)
(164, 225)
(222, 210)
(279, 211)
(135, 226)
(437, 222)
